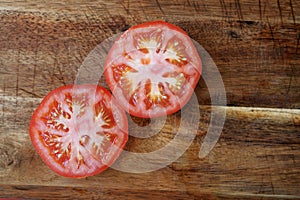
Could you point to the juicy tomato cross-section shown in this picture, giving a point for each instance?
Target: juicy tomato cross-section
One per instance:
(152, 69)
(79, 130)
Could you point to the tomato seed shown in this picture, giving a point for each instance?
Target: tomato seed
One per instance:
(84, 140)
(145, 61)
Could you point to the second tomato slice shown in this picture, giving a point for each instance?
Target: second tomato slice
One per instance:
(152, 69)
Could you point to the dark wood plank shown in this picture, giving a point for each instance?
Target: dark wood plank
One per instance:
(275, 11)
(258, 58)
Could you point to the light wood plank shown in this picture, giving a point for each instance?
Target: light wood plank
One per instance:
(255, 145)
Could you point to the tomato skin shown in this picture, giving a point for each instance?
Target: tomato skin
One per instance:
(158, 23)
(36, 123)
(154, 107)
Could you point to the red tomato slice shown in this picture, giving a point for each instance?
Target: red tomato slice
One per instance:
(152, 69)
(79, 130)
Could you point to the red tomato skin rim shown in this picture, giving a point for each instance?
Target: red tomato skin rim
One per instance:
(146, 25)
(32, 131)
(159, 22)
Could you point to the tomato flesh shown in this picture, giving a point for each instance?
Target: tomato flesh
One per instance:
(152, 69)
(79, 130)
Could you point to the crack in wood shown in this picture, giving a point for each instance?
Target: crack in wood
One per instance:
(239, 9)
(24, 188)
(292, 11)
(260, 11)
(297, 45)
(3, 103)
(17, 82)
(271, 30)
(197, 7)
(159, 6)
(144, 13)
(126, 6)
(290, 81)
(280, 11)
(224, 9)
(31, 93)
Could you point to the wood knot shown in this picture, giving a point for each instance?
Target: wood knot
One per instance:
(9, 156)
(234, 34)
(296, 120)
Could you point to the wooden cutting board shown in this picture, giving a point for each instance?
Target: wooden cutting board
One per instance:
(255, 45)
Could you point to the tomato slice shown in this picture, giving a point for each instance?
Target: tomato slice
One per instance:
(152, 69)
(79, 130)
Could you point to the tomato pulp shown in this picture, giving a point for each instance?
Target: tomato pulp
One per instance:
(79, 130)
(152, 69)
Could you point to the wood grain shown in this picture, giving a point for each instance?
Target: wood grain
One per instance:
(255, 145)
(258, 59)
(255, 45)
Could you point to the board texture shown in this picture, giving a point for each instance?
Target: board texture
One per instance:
(256, 48)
